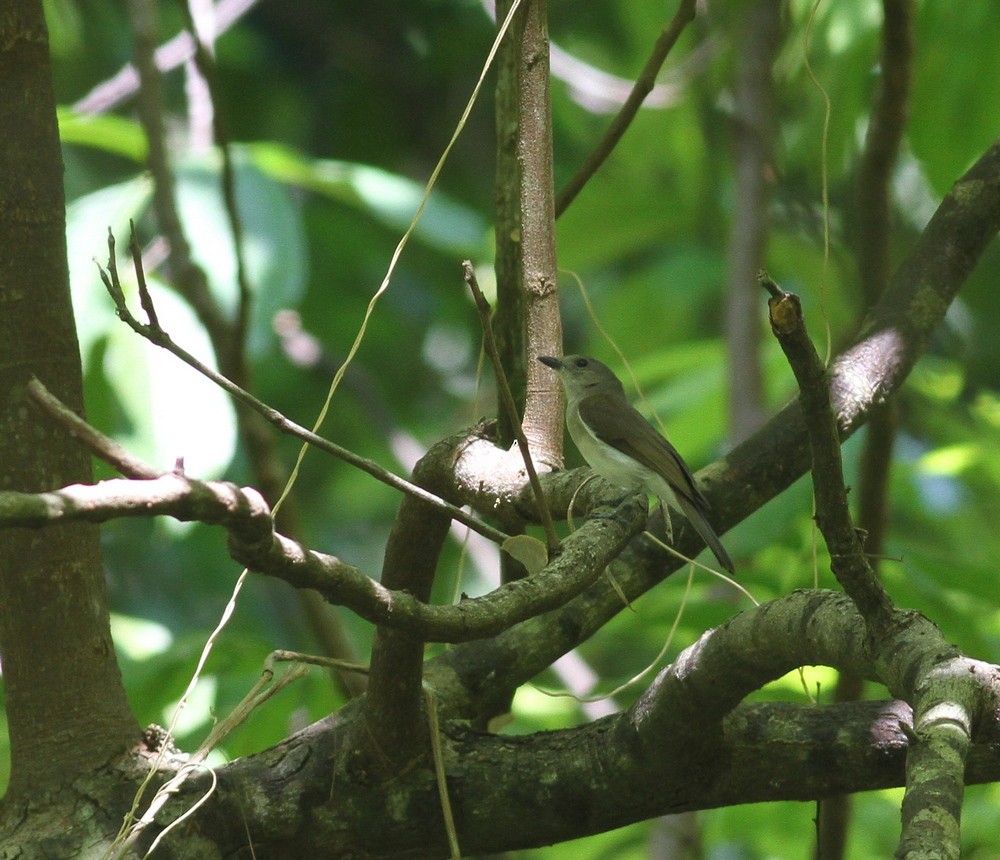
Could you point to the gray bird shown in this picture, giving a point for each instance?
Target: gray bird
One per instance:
(624, 449)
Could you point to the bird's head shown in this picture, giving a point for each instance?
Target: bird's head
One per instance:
(581, 375)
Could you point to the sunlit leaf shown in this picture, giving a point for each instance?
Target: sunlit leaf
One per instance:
(391, 198)
(108, 132)
(528, 550)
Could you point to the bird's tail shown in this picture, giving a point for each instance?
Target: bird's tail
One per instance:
(704, 528)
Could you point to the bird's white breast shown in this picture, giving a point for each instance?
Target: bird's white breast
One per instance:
(614, 466)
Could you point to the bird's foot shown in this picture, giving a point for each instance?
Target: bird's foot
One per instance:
(611, 509)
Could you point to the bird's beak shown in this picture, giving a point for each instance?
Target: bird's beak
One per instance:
(549, 361)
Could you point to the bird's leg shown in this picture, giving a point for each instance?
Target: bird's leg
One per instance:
(667, 527)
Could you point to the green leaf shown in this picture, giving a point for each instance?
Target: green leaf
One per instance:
(392, 199)
(108, 132)
(530, 551)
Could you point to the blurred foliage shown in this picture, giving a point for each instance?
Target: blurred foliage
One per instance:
(337, 113)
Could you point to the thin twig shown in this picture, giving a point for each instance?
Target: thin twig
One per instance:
(159, 337)
(188, 277)
(92, 439)
(145, 299)
(642, 88)
(283, 656)
(507, 399)
(440, 777)
(848, 561)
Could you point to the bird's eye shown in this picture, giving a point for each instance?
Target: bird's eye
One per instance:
(581, 362)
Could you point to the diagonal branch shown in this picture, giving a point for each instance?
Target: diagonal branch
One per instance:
(156, 335)
(254, 543)
(643, 87)
(626, 767)
(763, 466)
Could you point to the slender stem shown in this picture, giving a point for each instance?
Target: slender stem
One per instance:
(642, 88)
(507, 398)
(156, 335)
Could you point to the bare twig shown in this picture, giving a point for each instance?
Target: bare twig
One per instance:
(244, 513)
(873, 219)
(156, 335)
(886, 127)
(643, 86)
(507, 399)
(93, 440)
(187, 276)
(848, 560)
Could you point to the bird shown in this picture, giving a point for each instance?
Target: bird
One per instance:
(624, 449)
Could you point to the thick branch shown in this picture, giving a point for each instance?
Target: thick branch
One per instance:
(767, 463)
(66, 708)
(614, 771)
(252, 541)
(393, 706)
(527, 321)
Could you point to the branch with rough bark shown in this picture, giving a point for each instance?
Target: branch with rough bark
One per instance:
(860, 378)
(687, 744)
(398, 602)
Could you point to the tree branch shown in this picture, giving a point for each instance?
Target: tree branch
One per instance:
(67, 713)
(847, 557)
(125, 83)
(860, 378)
(393, 708)
(188, 277)
(156, 335)
(253, 542)
(872, 252)
(643, 87)
(620, 769)
(509, 407)
(527, 321)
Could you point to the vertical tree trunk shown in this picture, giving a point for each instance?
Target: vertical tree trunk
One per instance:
(66, 706)
(527, 321)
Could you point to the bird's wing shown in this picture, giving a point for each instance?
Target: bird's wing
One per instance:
(645, 445)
